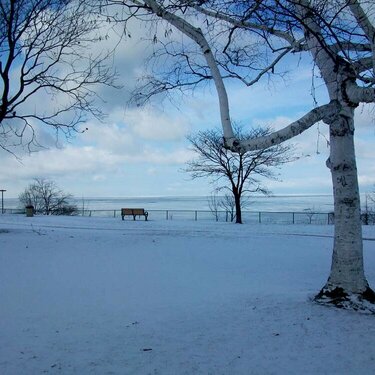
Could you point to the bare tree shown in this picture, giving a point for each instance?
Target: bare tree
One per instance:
(214, 205)
(367, 212)
(47, 198)
(248, 41)
(228, 203)
(238, 172)
(310, 213)
(48, 67)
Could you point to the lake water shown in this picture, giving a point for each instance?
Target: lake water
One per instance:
(290, 203)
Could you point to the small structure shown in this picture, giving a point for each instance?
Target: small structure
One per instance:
(2, 200)
(29, 211)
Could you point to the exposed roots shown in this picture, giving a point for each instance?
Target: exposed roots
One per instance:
(363, 302)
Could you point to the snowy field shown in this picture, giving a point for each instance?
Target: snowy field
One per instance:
(103, 296)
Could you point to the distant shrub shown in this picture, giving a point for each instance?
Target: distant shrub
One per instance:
(47, 199)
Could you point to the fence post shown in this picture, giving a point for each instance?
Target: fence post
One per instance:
(114, 213)
(293, 217)
(260, 217)
(196, 215)
(166, 214)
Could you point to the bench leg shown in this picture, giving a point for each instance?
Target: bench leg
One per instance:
(122, 217)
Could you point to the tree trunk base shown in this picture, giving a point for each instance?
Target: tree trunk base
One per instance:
(337, 297)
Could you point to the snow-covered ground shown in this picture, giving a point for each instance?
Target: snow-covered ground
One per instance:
(103, 296)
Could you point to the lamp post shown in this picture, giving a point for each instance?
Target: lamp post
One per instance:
(2, 200)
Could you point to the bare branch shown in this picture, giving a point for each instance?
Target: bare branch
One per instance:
(324, 113)
(235, 171)
(45, 53)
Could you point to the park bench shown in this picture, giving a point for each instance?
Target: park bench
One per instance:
(133, 212)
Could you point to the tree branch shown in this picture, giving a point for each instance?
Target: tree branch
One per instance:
(295, 128)
(197, 36)
(358, 94)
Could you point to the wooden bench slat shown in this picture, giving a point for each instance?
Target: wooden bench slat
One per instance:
(133, 212)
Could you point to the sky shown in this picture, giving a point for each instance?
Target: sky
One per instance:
(142, 151)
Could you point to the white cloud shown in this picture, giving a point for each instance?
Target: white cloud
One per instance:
(99, 177)
(367, 181)
(152, 124)
(97, 155)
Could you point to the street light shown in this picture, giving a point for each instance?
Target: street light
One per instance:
(2, 200)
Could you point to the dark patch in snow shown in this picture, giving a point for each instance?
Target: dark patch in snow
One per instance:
(132, 324)
(337, 297)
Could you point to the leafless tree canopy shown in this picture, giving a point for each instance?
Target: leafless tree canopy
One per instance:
(249, 40)
(240, 173)
(47, 199)
(49, 67)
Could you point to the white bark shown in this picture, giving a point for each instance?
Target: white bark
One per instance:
(360, 94)
(252, 26)
(347, 259)
(324, 113)
(347, 272)
(197, 36)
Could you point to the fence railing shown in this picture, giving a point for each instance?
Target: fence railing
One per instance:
(247, 216)
(250, 217)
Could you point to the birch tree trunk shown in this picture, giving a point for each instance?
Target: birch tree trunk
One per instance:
(347, 284)
(347, 276)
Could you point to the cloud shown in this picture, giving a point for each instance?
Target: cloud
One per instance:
(87, 159)
(367, 180)
(149, 141)
(365, 118)
(100, 153)
(152, 124)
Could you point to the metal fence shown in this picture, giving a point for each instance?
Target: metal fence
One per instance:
(251, 217)
(222, 216)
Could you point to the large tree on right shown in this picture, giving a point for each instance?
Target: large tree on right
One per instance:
(340, 38)
(248, 40)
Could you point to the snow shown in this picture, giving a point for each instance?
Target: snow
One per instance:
(105, 296)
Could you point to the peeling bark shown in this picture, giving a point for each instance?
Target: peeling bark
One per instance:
(347, 285)
(347, 260)
(322, 113)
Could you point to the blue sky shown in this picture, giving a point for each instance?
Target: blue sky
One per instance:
(141, 151)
